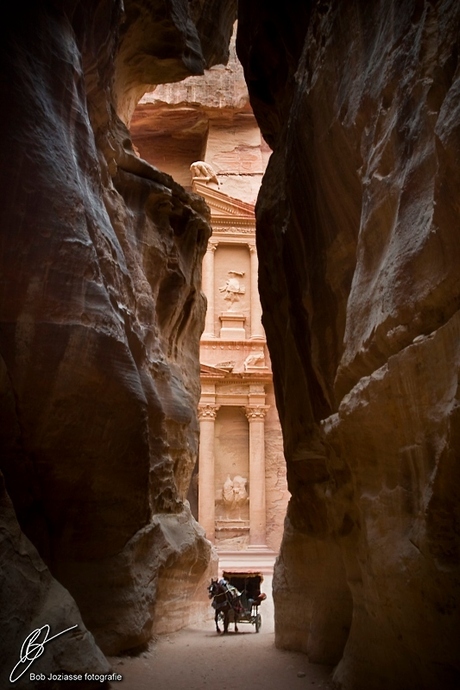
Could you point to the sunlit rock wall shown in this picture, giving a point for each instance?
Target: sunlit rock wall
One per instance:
(100, 304)
(359, 255)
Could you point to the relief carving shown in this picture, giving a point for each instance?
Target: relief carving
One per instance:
(231, 230)
(233, 390)
(233, 289)
(234, 494)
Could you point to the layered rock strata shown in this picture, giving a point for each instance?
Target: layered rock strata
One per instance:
(101, 309)
(360, 288)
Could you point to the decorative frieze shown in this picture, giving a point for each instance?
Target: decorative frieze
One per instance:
(232, 230)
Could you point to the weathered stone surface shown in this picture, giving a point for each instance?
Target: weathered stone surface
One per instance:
(315, 596)
(163, 43)
(182, 589)
(277, 495)
(101, 313)
(360, 291)
(138, 589)
(206, 118)
(100, 304)
(31, 598)
(402, 423)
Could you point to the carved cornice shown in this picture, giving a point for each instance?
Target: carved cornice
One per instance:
(223, 377)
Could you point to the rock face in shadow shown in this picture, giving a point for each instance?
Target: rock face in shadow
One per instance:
(101, 309)
(360, 287)
(31, 598)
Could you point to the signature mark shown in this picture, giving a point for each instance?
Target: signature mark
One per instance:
(32, 648)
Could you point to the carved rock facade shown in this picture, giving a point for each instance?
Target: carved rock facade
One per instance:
(239, 492)
(101, 310)
(359, 280)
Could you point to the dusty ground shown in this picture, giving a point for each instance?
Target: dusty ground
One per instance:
(199, 659)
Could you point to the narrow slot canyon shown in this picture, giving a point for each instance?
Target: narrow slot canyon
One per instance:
(229, 343)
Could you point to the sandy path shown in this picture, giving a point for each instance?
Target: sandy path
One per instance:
(199, 659)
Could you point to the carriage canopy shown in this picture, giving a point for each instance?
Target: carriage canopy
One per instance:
(246, 582)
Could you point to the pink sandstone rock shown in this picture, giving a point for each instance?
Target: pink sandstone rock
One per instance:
(101, 310)
(360, 289)
(206, 118)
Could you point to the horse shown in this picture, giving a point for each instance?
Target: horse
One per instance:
(225, 599)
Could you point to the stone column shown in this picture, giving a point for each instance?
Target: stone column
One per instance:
(206, 481)
(257, 331)
(257, 507)
(208, 289)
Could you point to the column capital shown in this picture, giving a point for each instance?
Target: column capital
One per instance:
(207, 411)
(212, 246)
(256, 411)
(252, 248)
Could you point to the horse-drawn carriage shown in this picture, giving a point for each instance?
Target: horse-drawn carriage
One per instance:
(237, 597)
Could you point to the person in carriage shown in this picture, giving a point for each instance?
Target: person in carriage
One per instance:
(228, 601)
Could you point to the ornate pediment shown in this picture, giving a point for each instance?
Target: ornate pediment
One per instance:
(221, 205)
(208, 370)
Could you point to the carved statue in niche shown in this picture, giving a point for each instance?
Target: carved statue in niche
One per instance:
(203, 172)
(233, 289)
(234, 494)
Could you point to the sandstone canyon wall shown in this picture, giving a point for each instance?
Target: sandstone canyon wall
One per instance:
(100, 315)
(357, 224)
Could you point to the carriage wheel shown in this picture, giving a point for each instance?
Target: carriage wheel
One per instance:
(258, 622)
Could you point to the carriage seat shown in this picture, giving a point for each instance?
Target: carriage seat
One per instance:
(245, 602)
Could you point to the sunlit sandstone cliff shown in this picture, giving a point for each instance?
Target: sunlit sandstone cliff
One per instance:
(100, 317)
(357, 237)
(101, 313)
